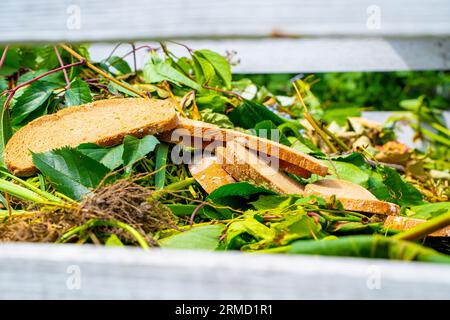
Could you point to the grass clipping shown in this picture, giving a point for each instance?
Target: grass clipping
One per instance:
(123, 201)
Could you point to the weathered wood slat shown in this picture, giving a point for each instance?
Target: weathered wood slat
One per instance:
(33, 271)
(86, 20)
(312, 54)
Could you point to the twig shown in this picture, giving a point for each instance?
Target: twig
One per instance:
(191, 220)
(14, 90)
(101, 72)
(231, 93)
(61, 63)
(2, 60)
(316, 127)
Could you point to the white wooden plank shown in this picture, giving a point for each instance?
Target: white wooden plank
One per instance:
(86, 20)
(311, 54)
(39, 271)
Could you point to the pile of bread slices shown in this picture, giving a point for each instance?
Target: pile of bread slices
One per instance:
(229, 155)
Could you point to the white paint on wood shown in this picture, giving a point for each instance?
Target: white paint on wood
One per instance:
(48, 271)
(86, 20)
(309, 54)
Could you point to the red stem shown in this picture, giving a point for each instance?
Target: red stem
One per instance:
(3, 56)
(61, 63)
(13, 91)
(191, 220)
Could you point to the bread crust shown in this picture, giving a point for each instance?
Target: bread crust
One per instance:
(352, 196)
(17, 155)
(244, 165)
(289, 155)
(405, 223)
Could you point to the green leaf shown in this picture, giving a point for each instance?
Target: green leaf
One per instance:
(78, 94)
(114, 86)
(109, 157)
(156, 71)
(11, 64)
(295, 227)
(135, 149)
(204, 71)
(430, 210)
(340, 113)
(267, 129)
(3, 84)
(119, 64)
(5, 127)
(237, 194)
(219, 63)
(266, 202)
(349, 172)
(249, 113)
(113, 241)
(32, 99)
(249, 233)
(203, 237)
(369, 247)
(72, 172)
(400, 191)
(218, 119)
(161, 160)
(214, 102)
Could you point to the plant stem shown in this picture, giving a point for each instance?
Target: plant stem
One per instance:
(425, 229)
(61, 63)
(2, 59)
(105, 223)
(40, 192)
(103, 73)
(319, 131)
(13, 91)
(20, 192)
(230, 93)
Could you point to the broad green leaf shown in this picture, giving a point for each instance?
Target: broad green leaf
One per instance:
(72, 172)
(249, 233)
(267, 129)
(295, 227)
(214, 102)
(33, 97)
(430, 210)
(219, 63)
(156, 70)
(340, 113)
(249, 113)
(3, 84)
(266, 202)
(400, 191)
(204, 71)
(237, 194)
(349, 172)
(78, 94)
(135, 149)
(119, 64)
(218, 119)
(11, 64)
(109, 157)
(202, 237)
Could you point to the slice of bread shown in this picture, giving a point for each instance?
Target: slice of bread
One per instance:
(244, 165)
(103, 122)
(352, 196)
(209, 173)
(293, 161)
(405, 223)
